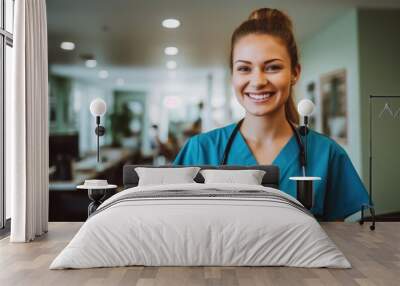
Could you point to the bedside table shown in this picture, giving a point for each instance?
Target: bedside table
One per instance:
(98, 194)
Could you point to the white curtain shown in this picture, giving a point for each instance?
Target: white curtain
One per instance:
(27, 124)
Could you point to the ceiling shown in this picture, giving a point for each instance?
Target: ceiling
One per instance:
(128, 34)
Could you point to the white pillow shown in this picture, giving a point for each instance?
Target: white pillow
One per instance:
(249, 177)
(165, 176)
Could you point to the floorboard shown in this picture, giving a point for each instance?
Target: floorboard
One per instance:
(374, 255)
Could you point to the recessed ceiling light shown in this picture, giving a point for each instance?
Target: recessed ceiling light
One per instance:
(91, 63)
(171, 51)
(171, 23)
(120, 81)
(68, 46)
(171, 65)
(103, 74)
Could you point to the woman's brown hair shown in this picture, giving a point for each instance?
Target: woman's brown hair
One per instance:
(275, 23)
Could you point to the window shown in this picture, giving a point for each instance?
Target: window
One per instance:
(6, 44)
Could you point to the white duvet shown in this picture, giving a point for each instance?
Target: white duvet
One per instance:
(200, 231)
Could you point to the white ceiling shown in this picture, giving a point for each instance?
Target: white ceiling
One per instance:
(133, 37)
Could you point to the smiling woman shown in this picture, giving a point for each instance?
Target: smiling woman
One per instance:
(264, 61)
(265, 66)
(262, 72)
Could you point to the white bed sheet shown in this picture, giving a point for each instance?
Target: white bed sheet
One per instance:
(200, 231)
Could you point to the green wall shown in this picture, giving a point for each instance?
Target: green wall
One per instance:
(379, 41)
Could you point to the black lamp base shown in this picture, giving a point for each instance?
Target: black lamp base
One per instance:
(305, 193)
(98, 196)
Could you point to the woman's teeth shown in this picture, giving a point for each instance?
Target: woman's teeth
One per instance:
(260, 97)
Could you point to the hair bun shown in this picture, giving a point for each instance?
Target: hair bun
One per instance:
(271, 16)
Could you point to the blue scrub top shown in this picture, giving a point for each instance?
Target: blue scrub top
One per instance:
(340, 188)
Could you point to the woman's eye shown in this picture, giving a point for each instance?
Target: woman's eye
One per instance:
(273, 68)
(243, 69)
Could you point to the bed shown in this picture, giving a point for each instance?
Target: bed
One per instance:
(201, 224)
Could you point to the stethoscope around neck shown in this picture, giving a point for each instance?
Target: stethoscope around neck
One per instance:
(302, 155)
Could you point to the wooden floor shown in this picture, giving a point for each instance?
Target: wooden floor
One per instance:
(375, 257)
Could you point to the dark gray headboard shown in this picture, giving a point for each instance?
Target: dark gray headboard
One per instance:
(270, 179)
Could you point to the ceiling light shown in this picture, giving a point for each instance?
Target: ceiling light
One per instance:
(171, 51)
(120, 81)
(171, 23)
(103, 74)
(91, 63)
(68, 46)
(171, 65)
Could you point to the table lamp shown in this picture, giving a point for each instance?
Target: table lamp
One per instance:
(305, 192)
(98, 107)
(305, 109)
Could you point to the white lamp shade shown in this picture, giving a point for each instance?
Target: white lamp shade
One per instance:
(98, 107)
(305, 107)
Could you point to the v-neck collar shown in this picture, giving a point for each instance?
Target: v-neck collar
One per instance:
(285, 155)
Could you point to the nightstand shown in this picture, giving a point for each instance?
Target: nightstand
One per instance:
(98, 194)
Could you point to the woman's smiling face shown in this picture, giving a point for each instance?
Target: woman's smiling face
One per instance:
(262, 75)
